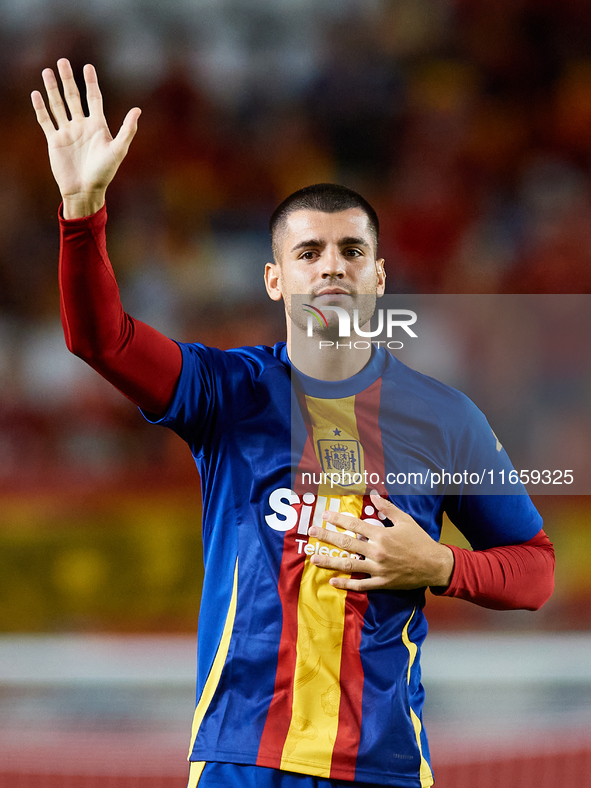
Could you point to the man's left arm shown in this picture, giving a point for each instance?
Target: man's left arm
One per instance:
(509, 577)
(404, 556)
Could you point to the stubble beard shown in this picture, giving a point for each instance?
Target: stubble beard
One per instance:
(294, 307)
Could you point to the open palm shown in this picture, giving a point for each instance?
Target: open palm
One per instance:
(83, 154)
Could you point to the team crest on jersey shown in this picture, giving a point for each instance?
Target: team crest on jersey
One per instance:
(342, 456)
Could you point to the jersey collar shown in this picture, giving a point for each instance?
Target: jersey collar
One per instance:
(336, 389)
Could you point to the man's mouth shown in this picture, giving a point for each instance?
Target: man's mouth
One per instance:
(329, 291)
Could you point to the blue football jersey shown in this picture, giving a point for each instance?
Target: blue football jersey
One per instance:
(293, 673)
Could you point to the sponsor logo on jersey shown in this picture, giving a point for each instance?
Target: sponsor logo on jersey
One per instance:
(295, 513)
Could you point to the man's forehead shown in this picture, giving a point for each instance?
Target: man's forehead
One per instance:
(305, 224)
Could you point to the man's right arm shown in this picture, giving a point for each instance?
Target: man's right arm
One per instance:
(139, 361)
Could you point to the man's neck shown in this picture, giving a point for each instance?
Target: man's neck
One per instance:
(315, 357)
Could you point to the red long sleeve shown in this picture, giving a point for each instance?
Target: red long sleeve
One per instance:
(140, 361)
(511, 577)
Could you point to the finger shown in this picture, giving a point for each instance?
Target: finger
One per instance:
(71, 91)
(127, 131)
(94, 96)
(43, 116)
(385, 506)
(349, 564)
(349, 523)
(343, 541)
(357, 584)
(55, 100)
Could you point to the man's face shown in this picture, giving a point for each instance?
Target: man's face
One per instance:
(330, 259)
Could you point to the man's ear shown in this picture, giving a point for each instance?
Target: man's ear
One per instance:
(273, 281)
(381, 274)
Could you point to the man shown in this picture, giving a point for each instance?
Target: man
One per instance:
(308, 668)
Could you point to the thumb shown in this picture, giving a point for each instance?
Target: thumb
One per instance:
(127, 131)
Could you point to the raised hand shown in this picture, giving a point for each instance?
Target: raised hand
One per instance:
(401, 557)
(84, 156)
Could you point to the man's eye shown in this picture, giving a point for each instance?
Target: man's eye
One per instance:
(353, 252)
(307, 256)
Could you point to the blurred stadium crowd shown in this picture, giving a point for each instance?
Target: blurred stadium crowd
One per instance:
(467, 123)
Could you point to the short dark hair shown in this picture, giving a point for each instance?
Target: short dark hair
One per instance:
(327, 197)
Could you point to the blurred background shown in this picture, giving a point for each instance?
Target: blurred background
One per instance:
(467, 124)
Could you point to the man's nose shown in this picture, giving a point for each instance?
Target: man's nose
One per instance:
(332, 263)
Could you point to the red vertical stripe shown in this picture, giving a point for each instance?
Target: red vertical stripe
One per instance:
(344, 756)
(309, 461)
(279, 713)
(288, 586)
(367, 412)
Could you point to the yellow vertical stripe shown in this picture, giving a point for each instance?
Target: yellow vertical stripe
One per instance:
(326, 415)
(321, 615)
(425, 774)
(316, 692)
(195, 772)
(218, 663)
(412, 647)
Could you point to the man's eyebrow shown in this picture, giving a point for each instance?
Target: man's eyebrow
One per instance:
(308, 243)
(352, 240)
(349, 240)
